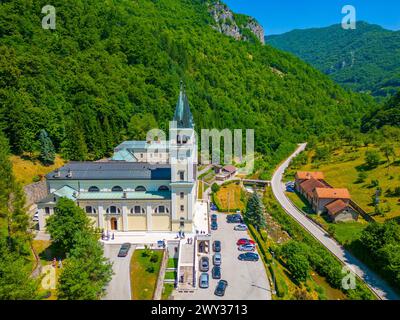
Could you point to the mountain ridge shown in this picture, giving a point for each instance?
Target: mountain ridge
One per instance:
(366, 59)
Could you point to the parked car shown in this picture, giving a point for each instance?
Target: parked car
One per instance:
(214, 217)
(221, 287)
(234, 218)
(123, 251)
(240, 227)
(204, 281)
(35, 217)
(216, 272)
(204, 264)
(214, 225)
(217, 259)
(217, 246)
(245, 241)
(249, 256)
(247, 247)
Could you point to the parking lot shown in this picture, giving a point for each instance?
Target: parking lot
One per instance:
(246, 280)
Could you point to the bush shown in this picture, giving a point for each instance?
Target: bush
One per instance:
(215, 188)
(154, 258)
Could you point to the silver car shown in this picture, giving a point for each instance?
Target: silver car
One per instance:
(240, 227)
(217, 259)
(247, 248)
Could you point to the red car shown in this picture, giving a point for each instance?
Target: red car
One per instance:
(242, 242)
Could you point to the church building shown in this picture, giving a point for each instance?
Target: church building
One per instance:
(146, 185)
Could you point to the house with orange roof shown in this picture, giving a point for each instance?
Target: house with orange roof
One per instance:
(323, 198)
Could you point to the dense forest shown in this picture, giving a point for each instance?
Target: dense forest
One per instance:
(86, 82)
(387, 115)
(366, 59)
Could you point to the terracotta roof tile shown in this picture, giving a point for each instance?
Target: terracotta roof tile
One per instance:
(306, 175)
(336, 207)
(309, 186)
(331, 193)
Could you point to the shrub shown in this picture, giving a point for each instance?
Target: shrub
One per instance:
(154, 258)
(215, 188)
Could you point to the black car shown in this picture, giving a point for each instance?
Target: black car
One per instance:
(216, 272)
(249, 256)
(214, 225)
(123, 251)
(217, 246)
(221, 287)
(214, 217)
(204, 264)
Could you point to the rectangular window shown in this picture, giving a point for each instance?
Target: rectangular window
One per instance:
(161, 209)
(182, 208)
(137, 209)
(182, 195)
(182, 175)
(47, 210)
(88, 209)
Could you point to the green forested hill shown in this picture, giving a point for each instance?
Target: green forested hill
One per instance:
(110, 60)
(387, 115)
(365, 59)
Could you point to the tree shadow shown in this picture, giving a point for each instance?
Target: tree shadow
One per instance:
(51, 252)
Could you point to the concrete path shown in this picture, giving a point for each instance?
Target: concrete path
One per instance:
(119, 287)
(379, 286)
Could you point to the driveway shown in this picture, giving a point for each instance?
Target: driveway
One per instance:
(379, 286)
(119, 287)
(246, 280)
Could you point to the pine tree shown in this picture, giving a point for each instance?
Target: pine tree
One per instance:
(74, 146)
(47, 151)
(255, 212)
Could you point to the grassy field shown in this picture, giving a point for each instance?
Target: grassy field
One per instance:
(26, 170)
(230, 197)
(343, 169)
(172, 263)
(167, 291)
(144, 274)
(200, 190)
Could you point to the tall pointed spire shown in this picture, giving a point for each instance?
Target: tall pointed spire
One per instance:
(183, 116)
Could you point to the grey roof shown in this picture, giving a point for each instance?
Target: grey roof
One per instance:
(183, 116)
(112, 170)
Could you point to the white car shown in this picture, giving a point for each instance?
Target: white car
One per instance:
(35, 217)
(241, 227)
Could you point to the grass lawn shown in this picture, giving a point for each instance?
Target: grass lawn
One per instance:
(233, 193)
(327, 291)
(170, 275)
(25, 170)
(172, 263)
(200, 190)
(167, 291)
(144, 274)
(342, 172)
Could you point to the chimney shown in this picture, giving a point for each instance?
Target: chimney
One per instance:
(69, 174)
(57, 173)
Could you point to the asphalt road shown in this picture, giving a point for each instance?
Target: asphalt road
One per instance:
(379, 286)
(119, 287)
(246, 280)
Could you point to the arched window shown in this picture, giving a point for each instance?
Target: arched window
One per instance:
(163, 188)
(113, 210)
(94, 189)
(117, 189)
(137, 210)
(161, 210)
(140, 189)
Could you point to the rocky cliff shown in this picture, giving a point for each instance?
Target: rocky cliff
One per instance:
(238, 26)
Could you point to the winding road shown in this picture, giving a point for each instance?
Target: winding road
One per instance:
(374, 282)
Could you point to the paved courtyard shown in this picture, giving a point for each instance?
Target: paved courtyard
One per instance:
(119, 287)
(246, 280)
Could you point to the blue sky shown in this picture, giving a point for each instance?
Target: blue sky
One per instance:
(278, 16)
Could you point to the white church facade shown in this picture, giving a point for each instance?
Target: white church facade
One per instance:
(146, 186)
